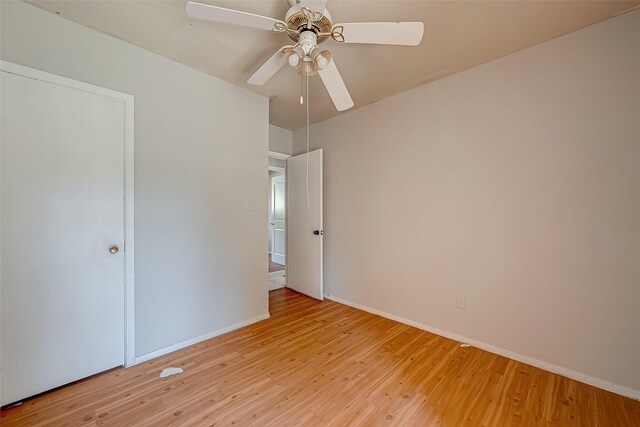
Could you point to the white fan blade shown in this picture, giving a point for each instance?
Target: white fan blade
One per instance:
(314, 5)
(335, 86)
(268, 69)
(398, 33)
(229, 16)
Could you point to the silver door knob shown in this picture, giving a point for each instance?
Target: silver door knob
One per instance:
(113, 249)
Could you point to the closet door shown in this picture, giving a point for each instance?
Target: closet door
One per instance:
(62, 240)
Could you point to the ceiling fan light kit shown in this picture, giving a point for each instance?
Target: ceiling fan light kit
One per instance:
(308, 23)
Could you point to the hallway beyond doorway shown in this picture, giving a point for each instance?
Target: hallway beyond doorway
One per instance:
(274, 266)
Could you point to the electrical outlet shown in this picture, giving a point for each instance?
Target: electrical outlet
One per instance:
(250, 205)
(461, 302)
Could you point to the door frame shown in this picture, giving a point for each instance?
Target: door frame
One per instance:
(129, 277)
(282, 156)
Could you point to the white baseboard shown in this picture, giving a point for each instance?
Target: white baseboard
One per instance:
(183, 344)
(596, 382)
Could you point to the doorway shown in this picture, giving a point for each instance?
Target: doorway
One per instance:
(277, 221)
(295, 223)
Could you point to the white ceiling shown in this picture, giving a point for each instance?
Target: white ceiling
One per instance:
(458, 35)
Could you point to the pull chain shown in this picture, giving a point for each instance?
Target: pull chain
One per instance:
(308, 199)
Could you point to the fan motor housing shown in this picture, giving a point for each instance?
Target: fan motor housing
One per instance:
(295, 19)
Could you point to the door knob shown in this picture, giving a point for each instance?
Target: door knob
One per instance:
(113, 249)
(317, 232)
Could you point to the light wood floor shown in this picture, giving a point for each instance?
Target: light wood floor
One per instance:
(322, 363)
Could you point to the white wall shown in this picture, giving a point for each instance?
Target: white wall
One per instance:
(200, 152)
(515, 184)
(280, 140)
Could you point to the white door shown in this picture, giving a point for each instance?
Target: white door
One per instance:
(304, 224)
(62, 207)
(278, 239)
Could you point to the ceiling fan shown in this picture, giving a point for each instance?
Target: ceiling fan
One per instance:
(308, 24)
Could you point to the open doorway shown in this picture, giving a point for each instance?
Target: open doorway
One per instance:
(277, 221)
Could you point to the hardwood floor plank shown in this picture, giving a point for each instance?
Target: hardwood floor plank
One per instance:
(510, 396)
(131, 413)
(318, 363)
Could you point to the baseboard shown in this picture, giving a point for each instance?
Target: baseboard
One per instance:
(596, 382)
(186, 343)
